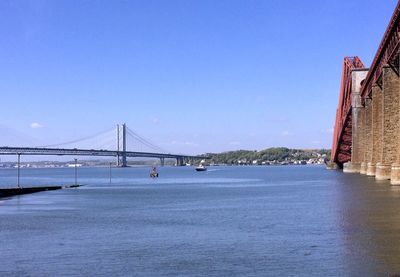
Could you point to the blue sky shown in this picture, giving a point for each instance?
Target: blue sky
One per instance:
(193, 76)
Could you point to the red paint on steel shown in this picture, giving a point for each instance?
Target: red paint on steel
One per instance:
(388, 53)
(341, 147)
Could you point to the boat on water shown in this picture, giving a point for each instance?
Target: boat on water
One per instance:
(154, 173)
(201, 168)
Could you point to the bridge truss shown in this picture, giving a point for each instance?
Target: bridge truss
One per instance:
(387, 54)
(342, 137)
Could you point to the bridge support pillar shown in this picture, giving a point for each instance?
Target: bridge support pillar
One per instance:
(351, 167)
(179, 161)
(124, 162)
(368, 136)
(362, 141)
(358, 121)
(390, 130)
(377, 117)
(121, 142)
(383, 171)
(395, 173)
(363, 166)
(162, 161)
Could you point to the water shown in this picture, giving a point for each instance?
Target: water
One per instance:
(228, 221)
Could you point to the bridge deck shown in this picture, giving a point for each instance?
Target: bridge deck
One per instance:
(88, 152)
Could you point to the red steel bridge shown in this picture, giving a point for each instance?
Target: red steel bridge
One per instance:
(387, 54)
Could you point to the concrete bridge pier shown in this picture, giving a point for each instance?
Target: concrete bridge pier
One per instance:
(390, 121)
(117, 161)
(179, 161)
(162, 161)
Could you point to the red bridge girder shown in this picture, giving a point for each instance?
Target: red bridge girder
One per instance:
(342, 135)
(387, 53)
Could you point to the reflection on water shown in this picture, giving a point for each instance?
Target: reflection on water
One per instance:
(235, 221)
(370, 223)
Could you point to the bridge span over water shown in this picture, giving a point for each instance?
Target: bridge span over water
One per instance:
(121, 153)
(367, 129)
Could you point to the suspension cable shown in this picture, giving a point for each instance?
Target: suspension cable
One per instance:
(145, 141)
(78, 140)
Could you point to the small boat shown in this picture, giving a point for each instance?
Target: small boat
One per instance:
(201, 168)
(153, 173)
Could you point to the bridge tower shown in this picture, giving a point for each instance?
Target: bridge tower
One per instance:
(121, 145)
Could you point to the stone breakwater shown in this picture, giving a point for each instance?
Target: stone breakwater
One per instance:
(8, 192)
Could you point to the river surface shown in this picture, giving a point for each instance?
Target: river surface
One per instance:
(227, 221)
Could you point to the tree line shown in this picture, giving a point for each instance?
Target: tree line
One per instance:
(278, 154)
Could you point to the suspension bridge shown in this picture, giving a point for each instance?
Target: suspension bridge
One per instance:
(115, 142)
